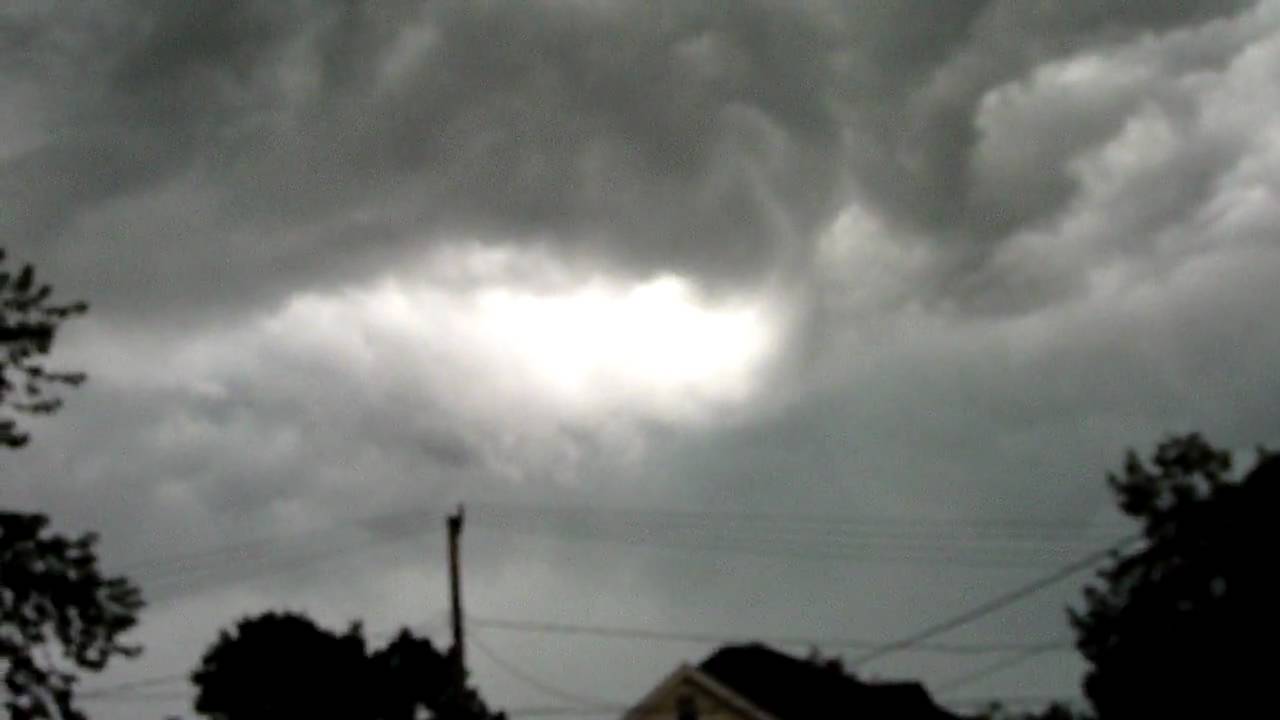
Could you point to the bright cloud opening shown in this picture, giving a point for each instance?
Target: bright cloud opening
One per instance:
(537, 366)
(652, 342)
(494, 333)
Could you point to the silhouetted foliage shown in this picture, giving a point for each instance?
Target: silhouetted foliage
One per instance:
(58, 613)
(284, 665)
(1171, 630)
(1055, 711)
(54, 602)
(28, 324)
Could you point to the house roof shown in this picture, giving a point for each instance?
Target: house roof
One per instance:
(790, 688)
(652, 703)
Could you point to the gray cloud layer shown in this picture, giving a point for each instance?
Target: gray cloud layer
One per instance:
(250, 144)
(1012, 238)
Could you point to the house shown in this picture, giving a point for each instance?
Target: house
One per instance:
(755, 682)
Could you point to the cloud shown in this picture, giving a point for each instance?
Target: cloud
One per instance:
(924, 259)
(539, 378)
(277, 144)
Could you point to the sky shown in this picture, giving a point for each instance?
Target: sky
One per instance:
(804, 319)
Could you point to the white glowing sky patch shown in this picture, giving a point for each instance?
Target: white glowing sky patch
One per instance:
(490, 334)
(653, 340)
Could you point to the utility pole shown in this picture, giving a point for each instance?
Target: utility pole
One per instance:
(454, 525)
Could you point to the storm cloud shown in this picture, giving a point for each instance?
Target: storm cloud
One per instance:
(910, 259)
(251, 144)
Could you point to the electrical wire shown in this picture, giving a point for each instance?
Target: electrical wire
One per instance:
(182, 561)
(785, 640)
(537, 683)
(783, 529)
(833, 538)
(768, 548)
(182, 583)
(991, 669)
(785, 535)
(810, 518)
(997, 603)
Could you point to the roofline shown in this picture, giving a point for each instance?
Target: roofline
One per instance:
(708, 683)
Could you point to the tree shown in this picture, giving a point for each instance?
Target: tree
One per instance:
(410, 674)
(1171, 629)
(28, 325)
(58, 613)
(54, 601)
(1055, 711)
(284, 665)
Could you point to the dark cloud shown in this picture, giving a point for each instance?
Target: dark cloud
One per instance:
(1001, 242)
(713, 139)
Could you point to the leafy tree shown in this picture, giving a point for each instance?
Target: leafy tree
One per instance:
(1172, 628)
(410, 674)
(58, 613)
(28, 324)
(54, 601)
(284, 665)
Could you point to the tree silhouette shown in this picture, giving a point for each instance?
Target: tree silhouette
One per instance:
(410, 673)
(58, 613)
(28, 324)
(54, 601)
(1169, 630)
(284, 665)
(1055, 711)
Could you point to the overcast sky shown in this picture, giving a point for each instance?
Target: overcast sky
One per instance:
(929, 267)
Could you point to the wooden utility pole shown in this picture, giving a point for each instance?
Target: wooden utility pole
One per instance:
(454, 524)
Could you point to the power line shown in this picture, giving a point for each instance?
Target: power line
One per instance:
(235, 570)
(863, 531)
(997, 603)
(173, 570)
(181, 561)
(809, 518)
(537, 683)
(768, 547)
(785, 535)
(764, 526)
(989, 670)
(702, 637)
(797, 536)
(584, 706)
